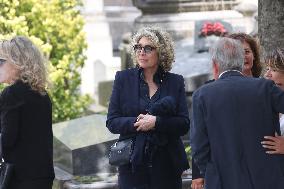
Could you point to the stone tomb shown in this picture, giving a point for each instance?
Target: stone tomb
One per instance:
(81, 146)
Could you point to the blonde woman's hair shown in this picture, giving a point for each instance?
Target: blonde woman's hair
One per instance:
(29, 60)
(161, 40)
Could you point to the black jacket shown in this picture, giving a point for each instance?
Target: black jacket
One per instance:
(124, 109)
(26, 127)
(230, 116)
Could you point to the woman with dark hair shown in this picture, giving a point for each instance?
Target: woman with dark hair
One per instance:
(25, 115)
(252, 66)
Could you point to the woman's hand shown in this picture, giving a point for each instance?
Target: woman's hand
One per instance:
(197, 183)
(275, 145)
(145, 122)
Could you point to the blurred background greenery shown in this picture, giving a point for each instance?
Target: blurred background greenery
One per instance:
(56, 26)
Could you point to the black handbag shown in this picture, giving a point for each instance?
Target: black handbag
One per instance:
(121, 151)
(6, 170)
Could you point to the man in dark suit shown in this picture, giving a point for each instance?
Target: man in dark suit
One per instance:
(230, 117)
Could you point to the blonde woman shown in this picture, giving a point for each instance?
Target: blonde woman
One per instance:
(25, 109)
(149, 102)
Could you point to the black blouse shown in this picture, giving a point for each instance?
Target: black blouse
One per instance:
(144, 140)
(145, 101)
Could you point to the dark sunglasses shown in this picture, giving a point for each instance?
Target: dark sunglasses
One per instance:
(2, 61)
(147, 48)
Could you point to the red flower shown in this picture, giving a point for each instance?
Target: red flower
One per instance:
(210, 28)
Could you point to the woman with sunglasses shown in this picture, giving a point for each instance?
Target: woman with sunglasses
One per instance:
(275, 71)
(25, 115)
(149, 103)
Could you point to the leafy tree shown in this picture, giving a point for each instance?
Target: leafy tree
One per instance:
(56, 27)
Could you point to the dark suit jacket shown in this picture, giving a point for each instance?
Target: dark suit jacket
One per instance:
(26, 127)
(124, 109)
(230, 117)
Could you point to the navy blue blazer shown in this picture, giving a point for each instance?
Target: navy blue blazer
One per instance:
(230, 117)
(124, 109)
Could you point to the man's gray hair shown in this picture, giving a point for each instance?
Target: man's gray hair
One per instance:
(228, 54)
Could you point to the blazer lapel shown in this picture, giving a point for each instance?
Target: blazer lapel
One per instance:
(163, 87)
(134, 88)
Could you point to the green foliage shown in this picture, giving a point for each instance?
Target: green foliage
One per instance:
(188, 153)
(56, 27)
(87, 179)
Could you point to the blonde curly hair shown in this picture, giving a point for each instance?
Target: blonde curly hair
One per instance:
(161, 40)
(29, 60)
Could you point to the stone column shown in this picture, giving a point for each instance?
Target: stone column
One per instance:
(174, 15)
(178, 6)
(100, 64)
(248, 9)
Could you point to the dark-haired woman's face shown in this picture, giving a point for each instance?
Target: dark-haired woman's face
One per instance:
(248, 59)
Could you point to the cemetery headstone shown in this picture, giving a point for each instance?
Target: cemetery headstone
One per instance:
(81, 145)
(104, 90)
(208, 31)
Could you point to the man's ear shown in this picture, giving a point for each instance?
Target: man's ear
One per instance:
(215, 66)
